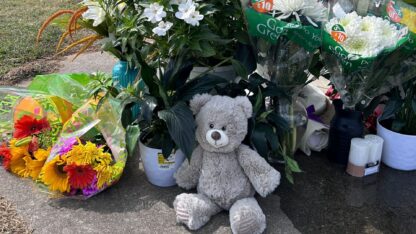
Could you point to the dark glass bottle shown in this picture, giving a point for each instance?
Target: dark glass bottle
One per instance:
(345, 125)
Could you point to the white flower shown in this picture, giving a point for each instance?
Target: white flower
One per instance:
(154, 13)
(312, 10)
(185, 10)
(95, 12)
(364, 46)
(194, 18)
(162, 28)
(366, 36)
(389, 33)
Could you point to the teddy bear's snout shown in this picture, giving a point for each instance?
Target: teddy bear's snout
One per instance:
(217, 138)
(216, 135)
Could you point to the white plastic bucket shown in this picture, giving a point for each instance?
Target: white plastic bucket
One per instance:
(226, 72)
(399, 150)
(159, 171)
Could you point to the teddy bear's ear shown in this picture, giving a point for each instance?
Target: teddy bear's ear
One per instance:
(245, 104)
(198, 101)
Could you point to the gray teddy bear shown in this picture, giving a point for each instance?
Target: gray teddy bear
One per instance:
(225, 172)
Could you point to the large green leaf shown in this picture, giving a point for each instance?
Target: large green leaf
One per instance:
(200, 85)
(132, 137)
(149, 77)
(259, 140)
(181, 125)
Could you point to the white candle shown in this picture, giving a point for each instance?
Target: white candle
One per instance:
(376, 148)
(359, 152)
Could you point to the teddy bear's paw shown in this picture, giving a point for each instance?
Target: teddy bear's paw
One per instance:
(246, 217)
(194, 210)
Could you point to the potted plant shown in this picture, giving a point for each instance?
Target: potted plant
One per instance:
(397, 126)
(166, 128)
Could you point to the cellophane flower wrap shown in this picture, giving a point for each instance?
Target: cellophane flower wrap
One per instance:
(90, 153)
(286, 36)
(368, 48)
(30, 125)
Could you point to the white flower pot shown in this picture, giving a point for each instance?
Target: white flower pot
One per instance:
(399, 150)
(159, 171)
(226, 72)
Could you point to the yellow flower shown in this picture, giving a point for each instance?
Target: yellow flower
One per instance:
(104, 174)
(409, 19)
(34, 165)
(84, 154)
(54, 176)
(18, 160)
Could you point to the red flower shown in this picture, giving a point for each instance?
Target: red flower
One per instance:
(28, 125)
(6, 155)
(80, 176)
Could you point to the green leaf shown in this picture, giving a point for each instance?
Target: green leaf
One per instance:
(181, 125)
(259, 102)
(392, 106)
(239, 69)
(207, 49)
(132, 138)
(292, 164)
(200, 85)
(259, 140)
(289, 175)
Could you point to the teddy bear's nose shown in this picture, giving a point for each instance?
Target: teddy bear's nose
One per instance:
(216, 135)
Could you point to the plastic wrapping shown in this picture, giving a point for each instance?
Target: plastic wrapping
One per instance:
(367, 49)
(90, 154)
(31, 123)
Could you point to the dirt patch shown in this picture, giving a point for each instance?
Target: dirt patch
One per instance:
(10, 221)
(29, 70)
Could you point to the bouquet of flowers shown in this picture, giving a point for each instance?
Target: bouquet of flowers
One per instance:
(90, 153)
(368, 53)
(31, 126)
(286, 35)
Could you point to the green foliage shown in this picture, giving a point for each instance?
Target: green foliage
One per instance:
(266, 127)
(400, 109)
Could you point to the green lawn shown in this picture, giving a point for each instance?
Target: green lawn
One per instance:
(19, 24)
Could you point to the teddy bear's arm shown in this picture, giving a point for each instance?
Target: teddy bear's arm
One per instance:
(262, 176)
(188, 173)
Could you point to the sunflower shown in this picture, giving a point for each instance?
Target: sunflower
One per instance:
(19, 155)
(54, 176)
(409, 19)
(35, 164)
(80, 176)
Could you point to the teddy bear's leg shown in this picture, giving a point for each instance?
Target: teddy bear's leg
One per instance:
(246, 217)
(194, 210)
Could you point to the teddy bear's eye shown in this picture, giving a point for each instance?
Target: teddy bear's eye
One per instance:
(211, 126)
(224, 128)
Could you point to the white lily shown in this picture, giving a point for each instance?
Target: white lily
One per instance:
(94, 12)
(185, 10)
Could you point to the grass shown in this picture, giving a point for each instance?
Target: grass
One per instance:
(19, 24)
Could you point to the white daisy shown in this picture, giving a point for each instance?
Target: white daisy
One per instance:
(154, 13)
(162, 28)
(389, 33)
